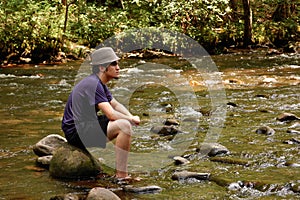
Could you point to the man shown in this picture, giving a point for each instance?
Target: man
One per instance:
(84, 126)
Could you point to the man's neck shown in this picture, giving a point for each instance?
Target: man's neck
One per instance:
(104, 79)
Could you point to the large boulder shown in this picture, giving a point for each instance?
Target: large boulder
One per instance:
(71, 162)
(48, 145)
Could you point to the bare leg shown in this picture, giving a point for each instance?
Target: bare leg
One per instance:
(121, 131)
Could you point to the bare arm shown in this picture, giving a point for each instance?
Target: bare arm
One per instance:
(114, 110)
(119, 107)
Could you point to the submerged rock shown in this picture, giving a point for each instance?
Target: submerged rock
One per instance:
(99, 193)
(183, 175)
(287, 117)
(48, 145)
(212, 149)
(143, 190)
(266, 130)
(71, 162)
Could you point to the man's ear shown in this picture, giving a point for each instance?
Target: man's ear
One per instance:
(102, 69)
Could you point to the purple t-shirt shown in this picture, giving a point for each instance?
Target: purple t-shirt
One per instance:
(82, 103)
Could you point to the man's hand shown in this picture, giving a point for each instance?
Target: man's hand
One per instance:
(135, 120)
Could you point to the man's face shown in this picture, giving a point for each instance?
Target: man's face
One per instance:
(113, 70)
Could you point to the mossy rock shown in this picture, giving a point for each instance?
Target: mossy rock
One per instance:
(71, 162)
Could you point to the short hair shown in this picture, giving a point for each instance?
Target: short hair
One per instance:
(95, 68)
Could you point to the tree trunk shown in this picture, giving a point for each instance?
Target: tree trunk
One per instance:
(234, 7)
(66, 16)
(247, 23)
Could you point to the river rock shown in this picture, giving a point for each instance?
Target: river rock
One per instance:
(292, 141)
(71, 162)
(180, 160)
(99, 193)
(266, 130)
(143, 190)
(287, 117)
(294, 132)
(48, 145)
(165, 130)
(170, 122)
(183, 175)
(44, 161)
(212, 149)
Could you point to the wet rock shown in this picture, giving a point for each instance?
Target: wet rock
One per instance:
(291, 164)
(71, 162)
(44, 161)
(143, 190)
(261, 96)
(170, 122)
(165, 130)
(236, 186)
(292, 141)
(48, 145)
(180, 160)
(232, 104)
(212, 149)
(287, 117)
(183, 175)
(266, 130)
(293, 132)
(99, 193)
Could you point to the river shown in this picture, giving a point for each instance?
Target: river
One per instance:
(256, 89)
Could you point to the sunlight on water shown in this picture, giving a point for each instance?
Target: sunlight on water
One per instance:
(33, 99)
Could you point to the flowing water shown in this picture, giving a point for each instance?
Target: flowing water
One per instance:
(257, 89)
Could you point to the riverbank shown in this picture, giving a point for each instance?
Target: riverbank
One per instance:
(81, 53)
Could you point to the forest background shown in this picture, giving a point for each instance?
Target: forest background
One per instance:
(35, 31)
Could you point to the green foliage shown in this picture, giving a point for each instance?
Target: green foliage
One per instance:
(27, 32)
(35, 28)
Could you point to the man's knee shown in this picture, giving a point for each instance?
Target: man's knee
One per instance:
(125, 126)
